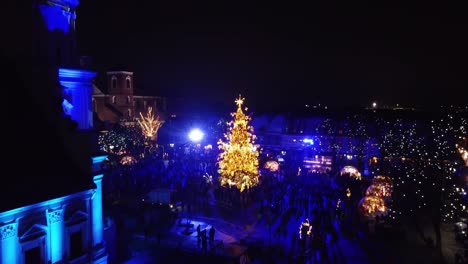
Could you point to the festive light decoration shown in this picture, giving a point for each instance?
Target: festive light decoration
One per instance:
(305, 229)
(149, 124)
(424, 165)
(352, 172)
(382, 186)
(383, 180)
(238, 159)
(121, 140)
(404, 150)
(372, 206)
(449, 137)
(464, 154)
(208, 178)
(271, 165)
(128, 160)
(348, 192)
(379, 190)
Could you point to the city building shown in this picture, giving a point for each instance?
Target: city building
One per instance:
(54, 213)
(121, 102)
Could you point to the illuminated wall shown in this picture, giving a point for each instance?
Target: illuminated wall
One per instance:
(97, 221)
(9, 243)
(54, 34)
(48, 226)
(59, 15)
(78, 90)
(56, 230)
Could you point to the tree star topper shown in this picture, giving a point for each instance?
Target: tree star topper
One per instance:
(239, 101)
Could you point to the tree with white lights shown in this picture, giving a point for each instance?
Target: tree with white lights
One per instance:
(122, 139)
(404, 150)
(448, 138)
(238, 160)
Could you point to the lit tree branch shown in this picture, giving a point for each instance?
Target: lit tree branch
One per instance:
(149, 124)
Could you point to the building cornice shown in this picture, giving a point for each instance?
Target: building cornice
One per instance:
(71, 74)
(119, 72)
(49, 204)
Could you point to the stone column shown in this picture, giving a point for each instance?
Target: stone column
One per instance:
(56, 234)
(97, 223)
(9, 243)
(79, 86)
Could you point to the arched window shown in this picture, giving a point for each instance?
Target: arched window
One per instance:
(113, 99)
(127, 81)
(114, 82)
(128, 99)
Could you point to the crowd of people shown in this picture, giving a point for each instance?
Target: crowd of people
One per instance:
(284, 200)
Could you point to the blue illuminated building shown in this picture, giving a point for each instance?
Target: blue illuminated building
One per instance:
(78, 91)
(65, 228)
(62, 221)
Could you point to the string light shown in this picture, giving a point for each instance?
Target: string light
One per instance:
(238, 159)
(149, 124)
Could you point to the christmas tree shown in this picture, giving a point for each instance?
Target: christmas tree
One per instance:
(238, 160)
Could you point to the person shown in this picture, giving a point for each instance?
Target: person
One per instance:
(304, 231)
(204, 244)
(198, 232)
(211, 234)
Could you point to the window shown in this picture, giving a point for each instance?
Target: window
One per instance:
(33, 256)
(76, 245)
(129, 112)
(128, 99)
(127, 81)
(114, 82)
(113, 100)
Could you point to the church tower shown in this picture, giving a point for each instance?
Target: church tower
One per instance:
(121, 92)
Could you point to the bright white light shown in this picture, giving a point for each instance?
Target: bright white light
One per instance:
(374, 104)
(196, 135)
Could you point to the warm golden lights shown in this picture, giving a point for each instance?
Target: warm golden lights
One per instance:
(464, 154)
(149, 124)
(271, 165)
(372, 206)
(352, 172)
(238, 160)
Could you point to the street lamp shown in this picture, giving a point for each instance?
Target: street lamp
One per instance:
(196, 135)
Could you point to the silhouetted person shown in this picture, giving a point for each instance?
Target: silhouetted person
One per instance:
(198, 232)
(212, 234)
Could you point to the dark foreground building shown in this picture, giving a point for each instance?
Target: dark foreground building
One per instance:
(51, 203)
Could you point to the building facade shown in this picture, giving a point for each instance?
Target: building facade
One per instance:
(318, 142)
(66, 229)
(55, 215)
(121, 102)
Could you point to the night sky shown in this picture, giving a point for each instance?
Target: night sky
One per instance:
(280, 55)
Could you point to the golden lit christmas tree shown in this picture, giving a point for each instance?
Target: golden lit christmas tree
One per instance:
(238, 160)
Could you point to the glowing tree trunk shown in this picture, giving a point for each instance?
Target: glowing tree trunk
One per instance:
(238, 160)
